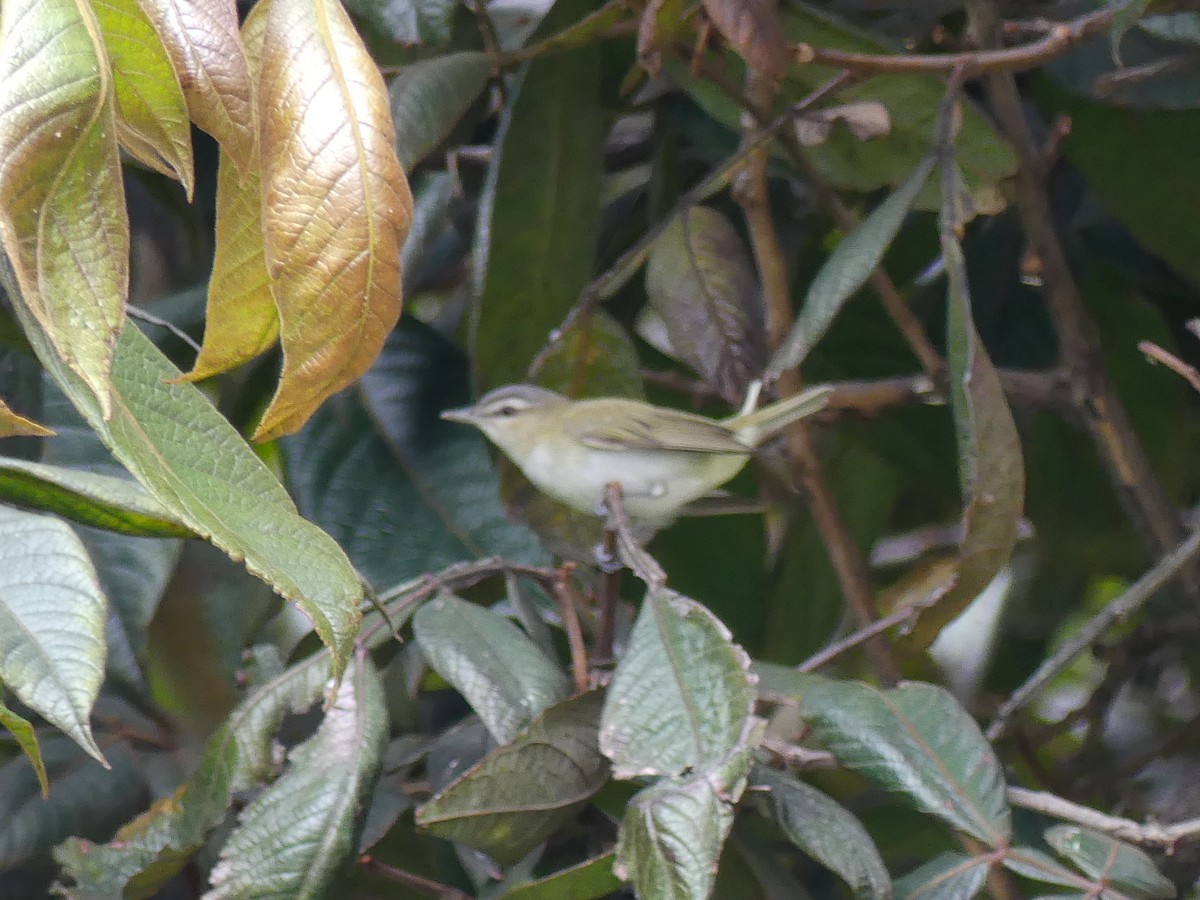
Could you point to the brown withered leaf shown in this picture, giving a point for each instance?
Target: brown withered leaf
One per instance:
(62, 204)
(705, 308)
(201, 37)
(662, 20)
(241, 320)
(866, 119)
(754, 30)
(14, 425)
(336, 204)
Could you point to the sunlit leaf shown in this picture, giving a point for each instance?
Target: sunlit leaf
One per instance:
(201, 37)
(62, 207)
(242, 320)
(430, 96)
(336, 204)
(501, 672)
(1114, 862)
(950, 876)
(23, 733)
(52, 614)
(915, 739)
(13, 425)
(521, 793)
(152, 115)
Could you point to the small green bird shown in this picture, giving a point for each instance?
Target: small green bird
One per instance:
(663, 458)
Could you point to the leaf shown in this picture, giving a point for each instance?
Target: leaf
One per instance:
(103, 501)
(1125, 17)
(753, 29)
(328, 781)
(13, 425)
(402, 491)
(671, 838)
(705, 307)
(681, 695)
(152, 115)
(826, 831)
(782, 684)
(194, 463)
(409, 22)
(26, 737)
(503, 675)
(521, 793)
(62, 206)
(847, 269)
(536, 238)
(1035, 864)
(1114, 862)
(916, 740)
(589, 880)
(429, 97)
(950, 876)
(242, 320)
(52, 614)
(336, 205)
(201, 37)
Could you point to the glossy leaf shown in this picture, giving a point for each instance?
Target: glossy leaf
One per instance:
(152, 115)
(103, 501)
(536, 238)
(681, 695)
(327, 782)
(23, 733)
(336, 205)
(588, 880)
(14, 425)
(201, 37)
(429, 97)
(241, 320)
(917, 740)
(521, 793)
(950, 876)
(1114, 862)
(826, 831)
(705, 307)
(847, 269)
(52, 614)
(753, 29)
(62, 206)
(503, 675)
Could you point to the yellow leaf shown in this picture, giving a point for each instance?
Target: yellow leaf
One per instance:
(241, 321)
(336, 205)
(62, 206)
(13, 425)
(201, 37)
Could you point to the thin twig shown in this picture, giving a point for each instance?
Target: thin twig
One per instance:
(136, 312)
(905, 616)
(1172, 362)
(1149, 834)
(419, 883)
(1138, 594)
(564, 597)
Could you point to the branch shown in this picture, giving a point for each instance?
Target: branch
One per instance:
(1160, 837)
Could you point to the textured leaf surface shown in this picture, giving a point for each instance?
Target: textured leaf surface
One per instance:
(336, 204)
(520, 794)
(62, 207)
(152, 115)
(536, 238)
(705, 307)
(950, 876)
(826, 831)
(52, 615)
(917, 740)
(241, 320)
(201, 37)
(23, 733)
(314, 803)
(681, 695)
(1114, 862)
(503, 674)
(430, 96)
(103, 501)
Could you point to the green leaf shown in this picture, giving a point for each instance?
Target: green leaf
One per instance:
(536, 238)
(916, 740)
(786, 684)
(52, 615)
(103, 501)
(403, 492)
(826, 831)
(847, 269)
(194, 463)
(671, 838)
(521, 793)
(503, 675)
(327, 782)
(26, 738)
(429, 97)
(705, 307)
(1035, 864)
(589, 880)
(1114, 862)
(681, 695)
(1124, 18)
(406, 22)
(950, 876)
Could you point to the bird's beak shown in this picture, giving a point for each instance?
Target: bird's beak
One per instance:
(466, 415)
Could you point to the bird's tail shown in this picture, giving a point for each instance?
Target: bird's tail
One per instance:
(754, 428)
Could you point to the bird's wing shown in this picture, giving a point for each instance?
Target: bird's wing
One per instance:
(642, 427)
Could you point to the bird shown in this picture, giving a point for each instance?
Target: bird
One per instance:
(663, 458)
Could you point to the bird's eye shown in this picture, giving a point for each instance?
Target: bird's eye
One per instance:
(507, 410)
